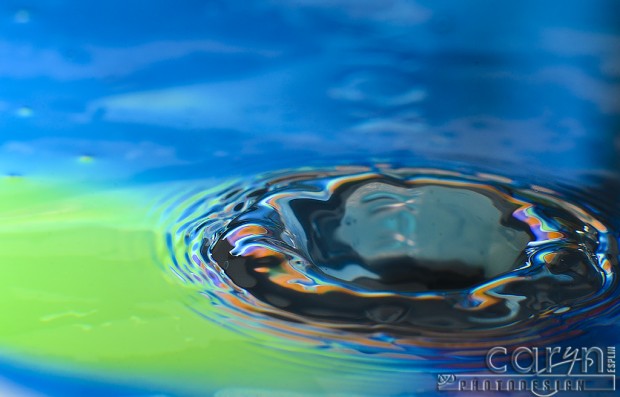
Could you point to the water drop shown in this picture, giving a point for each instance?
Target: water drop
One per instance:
(411, 253)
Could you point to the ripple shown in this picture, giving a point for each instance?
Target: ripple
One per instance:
(392, 261)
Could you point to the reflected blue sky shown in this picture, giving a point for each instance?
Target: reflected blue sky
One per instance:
(226, 84)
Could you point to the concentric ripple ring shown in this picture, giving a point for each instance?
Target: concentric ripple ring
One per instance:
(386, 258)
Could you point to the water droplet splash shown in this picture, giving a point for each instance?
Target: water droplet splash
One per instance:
(392, 260)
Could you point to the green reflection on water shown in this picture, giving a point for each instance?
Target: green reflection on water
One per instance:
(81, 293)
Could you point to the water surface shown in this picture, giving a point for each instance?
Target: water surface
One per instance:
(311, 146)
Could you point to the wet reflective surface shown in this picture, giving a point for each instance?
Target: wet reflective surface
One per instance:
(407, 254)
(327, 197)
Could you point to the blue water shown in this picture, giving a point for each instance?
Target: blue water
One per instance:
(168, 91)
(171, 91)
(414, 257)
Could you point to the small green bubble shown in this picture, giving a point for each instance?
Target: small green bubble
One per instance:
(85, 159)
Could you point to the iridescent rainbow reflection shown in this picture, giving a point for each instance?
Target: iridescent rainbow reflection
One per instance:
(398, 262)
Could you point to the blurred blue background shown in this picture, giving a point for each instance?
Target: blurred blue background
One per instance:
(168, 90)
